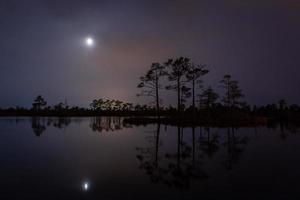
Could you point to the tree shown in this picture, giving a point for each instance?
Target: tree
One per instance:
(282, 104)
(177, 71)
(59, 107)
(118, 105)
(208, 98)
(233, 92)
(94, 105)
(39, 103)
(185, 94)
(150, 83)
(137, 107)
(127, 107)
(97, 104)
(195, 72)
(108, 104)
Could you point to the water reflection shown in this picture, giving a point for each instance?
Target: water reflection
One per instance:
(38, 125)
(59, 122)
(97, 124)
(193, 154)
(209, 144)
(174, 169)
(155, 157)
(234, 145)
(209, 141)
(85, 186)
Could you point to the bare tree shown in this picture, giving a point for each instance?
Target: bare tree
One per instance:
(150, 83)
(178, 69)
(282, 104)
(208, 98)
(233, 92)
(185, 93)
(194, 75)
(39, 103)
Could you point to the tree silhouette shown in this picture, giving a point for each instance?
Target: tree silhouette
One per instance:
(233, 92)
(108, 104)
(97, 104)
(127, 106)
(282, 104)
(195, 72)
(118, 105)
(185, 93)
(39, 103)
(59, 107)
(178, 68)
(208, 98)
(150, 83)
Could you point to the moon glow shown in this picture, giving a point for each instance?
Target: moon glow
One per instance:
(89, 42)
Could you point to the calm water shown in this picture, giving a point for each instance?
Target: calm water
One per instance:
(100, 158)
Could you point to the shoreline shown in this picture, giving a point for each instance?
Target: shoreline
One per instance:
(184, 121)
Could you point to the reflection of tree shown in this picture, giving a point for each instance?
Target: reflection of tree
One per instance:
(235, 146)
(174, 169)
(283, 134)
(210, 144)
(38, 125)
(99, 124)
(292, 128)
(60, 122)
(187, 167)
(149, 157)
(286, 129)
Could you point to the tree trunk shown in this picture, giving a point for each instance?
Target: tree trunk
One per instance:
(228, 95)
(178, 95)
(193, 87)
(157, 97)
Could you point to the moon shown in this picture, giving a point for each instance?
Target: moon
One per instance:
(89, 41)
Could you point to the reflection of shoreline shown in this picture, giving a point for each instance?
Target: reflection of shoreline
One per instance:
(222, 122)
(193, 154)
(40, 124)
(97, 124)
(109, 124)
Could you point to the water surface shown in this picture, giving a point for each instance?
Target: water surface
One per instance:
(101, 158)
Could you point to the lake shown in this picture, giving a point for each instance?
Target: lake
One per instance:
(102, 158)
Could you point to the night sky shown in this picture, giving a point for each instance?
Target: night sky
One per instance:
(42, 49)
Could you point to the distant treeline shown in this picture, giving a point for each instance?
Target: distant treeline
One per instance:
(193, 98)
(101, 107)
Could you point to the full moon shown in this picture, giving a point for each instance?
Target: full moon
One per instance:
(89, 41)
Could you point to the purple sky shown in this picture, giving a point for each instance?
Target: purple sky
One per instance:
(41, 50)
